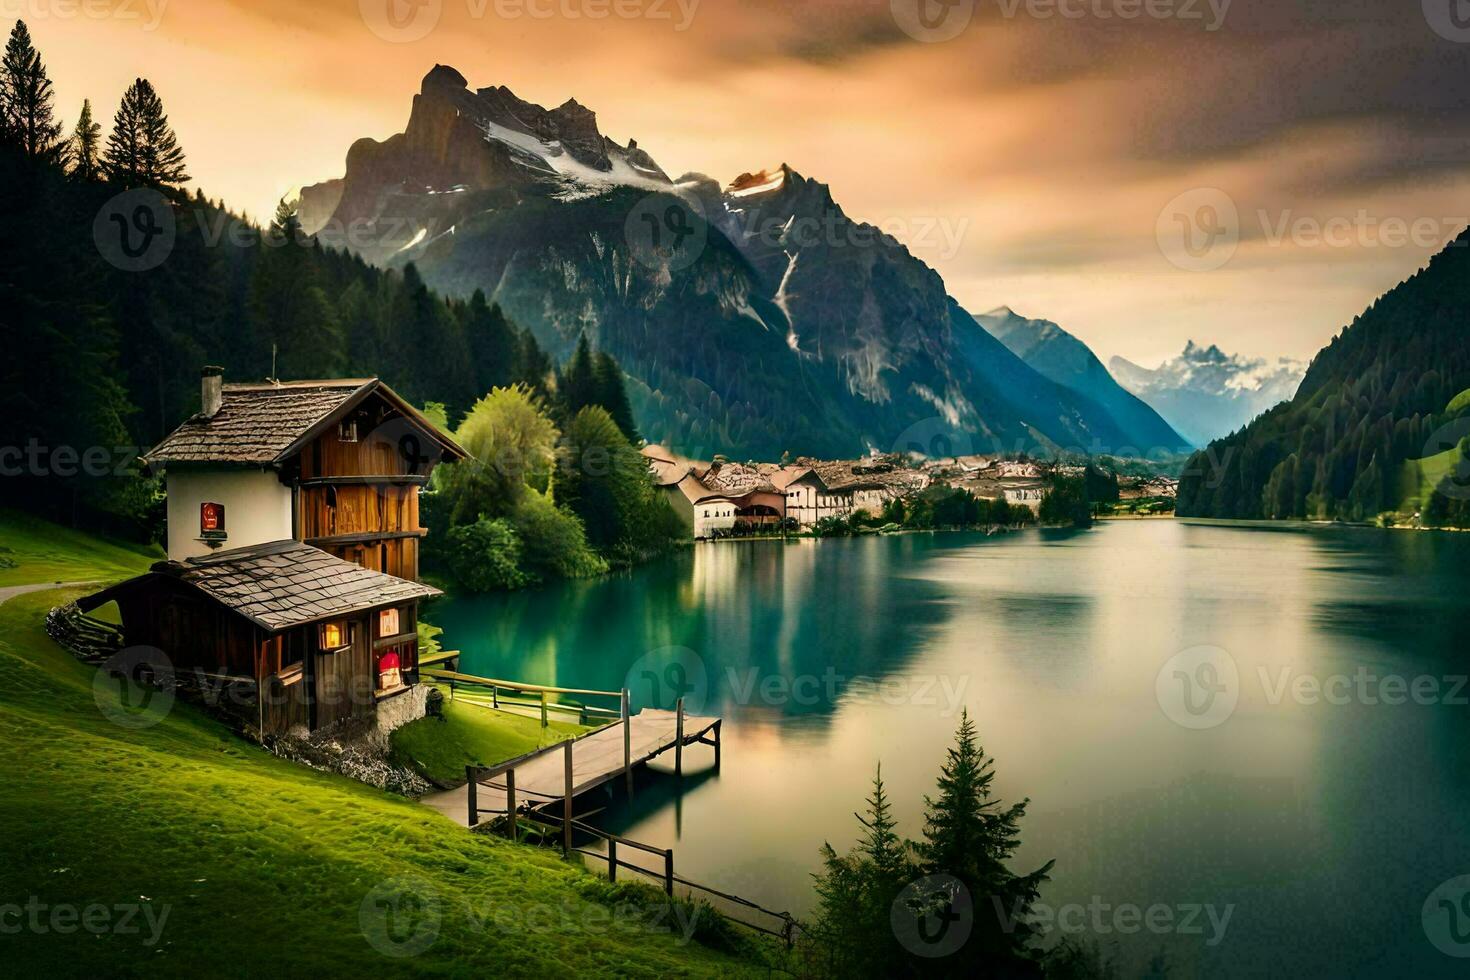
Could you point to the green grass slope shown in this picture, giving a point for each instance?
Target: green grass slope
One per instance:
(39, 551)
(469, 735)
(239, 863)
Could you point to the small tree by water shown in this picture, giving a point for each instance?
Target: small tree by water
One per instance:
(867, 897)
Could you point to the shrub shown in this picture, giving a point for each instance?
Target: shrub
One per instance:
(553, 542)
(486, 556)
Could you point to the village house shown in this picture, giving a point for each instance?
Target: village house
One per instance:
(718, 497)
(293, 550)
(816, 489)
(1024, 496)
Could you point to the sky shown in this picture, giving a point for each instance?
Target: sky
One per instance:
(1248, 173)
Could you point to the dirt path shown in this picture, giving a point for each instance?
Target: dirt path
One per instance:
(9, 592)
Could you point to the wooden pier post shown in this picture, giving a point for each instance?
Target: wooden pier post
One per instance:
(612, 860)
(494, 696)
(669, 872)
(543, 709)
(628, 740)
(510, 802)
(566, 808)
(470, 776)
(679, 738)
(717, 745)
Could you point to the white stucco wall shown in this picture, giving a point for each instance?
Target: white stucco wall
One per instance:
(808, 505)
(713, 515)
(257, 508)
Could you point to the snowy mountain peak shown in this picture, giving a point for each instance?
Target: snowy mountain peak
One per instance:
(759, 182)
(1206, 393)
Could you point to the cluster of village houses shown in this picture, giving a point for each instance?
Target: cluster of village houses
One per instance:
(720, 496)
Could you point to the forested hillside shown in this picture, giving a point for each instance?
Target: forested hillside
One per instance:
(104, 360)
(1376, 399)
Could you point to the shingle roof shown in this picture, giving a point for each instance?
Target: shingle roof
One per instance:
(737, 479)
(287, 583)
(259, 424)
(255, 423)
(693, 487)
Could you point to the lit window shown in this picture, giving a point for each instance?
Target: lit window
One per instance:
(347, 431)
(334, 636)
(388, 622)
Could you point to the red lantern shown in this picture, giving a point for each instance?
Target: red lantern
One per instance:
(389, 673)
(211, 517)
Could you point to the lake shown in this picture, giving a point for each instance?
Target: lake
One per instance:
(1246, 746)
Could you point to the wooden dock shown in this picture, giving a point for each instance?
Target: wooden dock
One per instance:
(541, 778)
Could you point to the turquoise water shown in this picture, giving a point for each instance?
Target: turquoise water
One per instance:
(1148, 685)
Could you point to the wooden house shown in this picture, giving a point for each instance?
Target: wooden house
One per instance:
(293, 549)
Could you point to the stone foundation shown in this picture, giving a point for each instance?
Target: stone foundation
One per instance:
(401, 709)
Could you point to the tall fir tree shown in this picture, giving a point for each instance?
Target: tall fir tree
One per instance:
(612, 394)
(493, 344)
(289, 308)
(142, 148)
(970, 836)
(856, 892)
(576, 386)
(83, 149)
(25, 92)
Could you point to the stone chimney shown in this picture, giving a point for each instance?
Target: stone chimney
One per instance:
(211, 390)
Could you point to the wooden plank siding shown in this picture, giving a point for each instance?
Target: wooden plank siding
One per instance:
(366, 491)
(342, 680)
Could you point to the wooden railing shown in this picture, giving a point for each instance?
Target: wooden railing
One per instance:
(585, 713)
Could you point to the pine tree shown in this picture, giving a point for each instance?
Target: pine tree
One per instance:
(970, 836)
(610, 393)
(25, 91)
(142, 148)
(576, 388)
(82, 152)
(493, 344)
(856, 891)
(288, 305)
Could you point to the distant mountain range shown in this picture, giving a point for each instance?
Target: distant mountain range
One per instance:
(752, 319)
(1206, 393)
(1066, 360)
